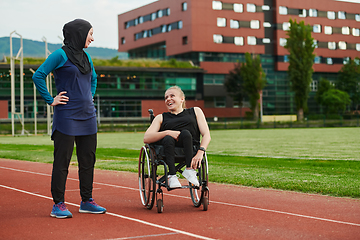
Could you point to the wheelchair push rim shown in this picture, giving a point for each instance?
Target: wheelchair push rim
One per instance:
(146, 183)
(199, 195)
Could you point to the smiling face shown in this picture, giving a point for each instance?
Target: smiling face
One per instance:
(89, 38)
(174, 100)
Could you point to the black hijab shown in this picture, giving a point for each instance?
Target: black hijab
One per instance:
(75, 34)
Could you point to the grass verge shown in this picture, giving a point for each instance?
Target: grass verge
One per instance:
(330, 177)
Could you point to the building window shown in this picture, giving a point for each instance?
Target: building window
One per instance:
(345, 30)
(220, 102)
(315, 42)
(153, 16)
(358, 47)
(169, 28)
(250, 7)
(123, 40)
(214, 78)
(239, 41)
(184, 6)
(329, 61)
(355, 32)
(254, 24)
(313, 86)
(234, 24)
(341, 15)
(286, 58)
(317, 28)
(216, 5)
(313, 13)
(221, 22)
(265, 8)
(163, 28)
(317, 59)
(160, 13)
(286, 26)
(251, 40)
(180, 24)
(168, 12)
(342, 45)
(267, 24)
(136, 21)
(238, 7)
(282, 42)
(283, 10)
(328, 30)
(331, 15)
(185, 40)
(145, 34)
(346, 60)
(141, 19)
(332, 45)
(302, 13)
(266, 40)
(357, 17)
(217, 38)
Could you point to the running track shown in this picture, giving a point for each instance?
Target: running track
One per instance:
(235, 212)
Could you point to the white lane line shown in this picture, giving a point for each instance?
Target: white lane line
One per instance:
(287, 213)
(216, 202)
(117, 215)
(144, 236)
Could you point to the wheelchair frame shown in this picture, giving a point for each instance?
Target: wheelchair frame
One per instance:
(150, 183)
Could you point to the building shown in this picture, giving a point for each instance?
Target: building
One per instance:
(126, 92)
(216, 34)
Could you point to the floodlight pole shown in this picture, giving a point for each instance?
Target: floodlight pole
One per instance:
(49, 109)
(35, 104)
(261, 106)
(12, 72)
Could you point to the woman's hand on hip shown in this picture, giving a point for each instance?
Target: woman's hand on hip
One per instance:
(60, 99)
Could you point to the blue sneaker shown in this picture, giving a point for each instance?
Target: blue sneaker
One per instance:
(91, 207)
(60, 211)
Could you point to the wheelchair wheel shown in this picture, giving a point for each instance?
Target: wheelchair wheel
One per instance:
(160, 205)
(205, 200)
(146, 182)
(197, 193)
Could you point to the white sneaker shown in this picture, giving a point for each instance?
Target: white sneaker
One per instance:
(190, 175)
(174, 181)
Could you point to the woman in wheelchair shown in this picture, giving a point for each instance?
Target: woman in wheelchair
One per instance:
(180, 127)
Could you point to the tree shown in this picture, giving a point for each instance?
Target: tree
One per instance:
(324, 86)
(234, 85)
(349, 80)
(301, 46)
(335, 101)
(253, 81)
(247, 79)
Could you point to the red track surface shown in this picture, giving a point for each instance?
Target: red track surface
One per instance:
(234, 212)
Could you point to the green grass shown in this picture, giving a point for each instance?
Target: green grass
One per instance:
(324, 161)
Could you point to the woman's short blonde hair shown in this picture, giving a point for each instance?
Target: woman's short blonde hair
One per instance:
(182, 94)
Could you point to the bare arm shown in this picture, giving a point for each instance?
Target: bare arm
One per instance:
(206, 138)
(152, 134)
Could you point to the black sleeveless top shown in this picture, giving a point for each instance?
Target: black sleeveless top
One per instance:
(184, 120)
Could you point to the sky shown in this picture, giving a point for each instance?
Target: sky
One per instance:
(37, 19)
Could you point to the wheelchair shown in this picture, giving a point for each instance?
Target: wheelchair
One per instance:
(151, 159)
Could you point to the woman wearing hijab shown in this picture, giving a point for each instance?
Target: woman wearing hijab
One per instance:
(74, 117)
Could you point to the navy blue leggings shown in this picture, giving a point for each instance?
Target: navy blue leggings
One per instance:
(184, 141)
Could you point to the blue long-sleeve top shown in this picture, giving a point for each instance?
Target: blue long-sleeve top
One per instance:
(77, 117)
